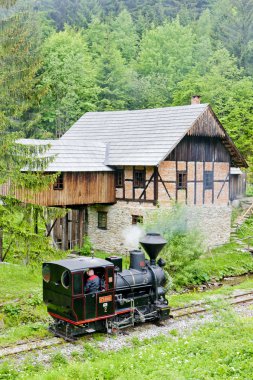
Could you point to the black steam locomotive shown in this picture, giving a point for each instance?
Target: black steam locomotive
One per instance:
(125, 297)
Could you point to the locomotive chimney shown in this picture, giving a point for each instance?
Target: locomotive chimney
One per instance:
(153, 243)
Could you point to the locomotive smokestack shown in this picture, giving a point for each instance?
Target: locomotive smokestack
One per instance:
(153, 243)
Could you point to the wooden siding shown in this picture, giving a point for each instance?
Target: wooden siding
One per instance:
(78, 189)
(207, 125)
(193, 148)
(237, 186)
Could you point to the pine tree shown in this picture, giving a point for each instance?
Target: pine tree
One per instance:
(113, 73)
(20, 61)
(124, 35)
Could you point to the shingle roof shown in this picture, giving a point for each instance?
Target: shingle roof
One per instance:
(142, 137)
(73, 155)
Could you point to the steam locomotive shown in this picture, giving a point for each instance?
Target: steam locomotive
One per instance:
(125, 297)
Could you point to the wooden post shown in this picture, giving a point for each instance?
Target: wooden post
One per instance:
(81, 225)
(86, 220)
(35, 217)
(65, 237)
(155, 184)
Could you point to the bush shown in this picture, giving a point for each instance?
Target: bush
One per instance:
(86, 248)
(184, 246)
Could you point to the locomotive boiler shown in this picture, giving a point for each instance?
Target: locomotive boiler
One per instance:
(124, 298)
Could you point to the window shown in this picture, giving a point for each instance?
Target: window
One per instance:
(139, 178)
(58, 185)
(182, 180)
(208, 180)
(78, 284)
(137, 219)
(65, 279)
(102, 220)
(119, 177)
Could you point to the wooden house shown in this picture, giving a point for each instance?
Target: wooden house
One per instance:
(119, 166)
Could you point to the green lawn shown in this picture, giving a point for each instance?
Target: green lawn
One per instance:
(219, 350)
(18, 281)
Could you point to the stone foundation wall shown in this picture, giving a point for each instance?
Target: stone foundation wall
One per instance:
(213, 222)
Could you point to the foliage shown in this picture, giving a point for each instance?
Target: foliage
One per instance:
(184, 246)
(69, 81)
(23, 228)
(230, 93)
(86, 248)
(249, 190)
(20, 58)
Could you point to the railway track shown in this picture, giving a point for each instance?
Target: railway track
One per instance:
(201, 307)
(179, 312)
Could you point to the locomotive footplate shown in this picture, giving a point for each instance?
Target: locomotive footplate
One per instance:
(70, 332)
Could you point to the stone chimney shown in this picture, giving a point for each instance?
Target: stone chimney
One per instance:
(195, 99)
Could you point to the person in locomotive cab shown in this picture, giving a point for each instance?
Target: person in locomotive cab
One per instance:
(93, 282)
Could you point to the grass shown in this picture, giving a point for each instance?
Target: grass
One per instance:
(28, 317)
(178, 300)
(18, 281)
(219, 350)
(216, 264)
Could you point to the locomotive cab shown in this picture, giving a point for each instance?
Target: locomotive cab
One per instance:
(64, 290)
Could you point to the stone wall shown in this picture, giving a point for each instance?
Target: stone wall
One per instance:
(213, 222)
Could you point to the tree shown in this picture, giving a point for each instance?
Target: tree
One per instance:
(167, 50)
(230, 94)
(124, 35)
(20, 61)
(69, 81)
(75, 13)
(233, 25)
(113, 73)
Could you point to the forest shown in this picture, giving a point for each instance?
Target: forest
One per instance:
(62, 58)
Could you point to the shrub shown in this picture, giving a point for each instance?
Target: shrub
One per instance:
(184, 246)
(86, 248)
